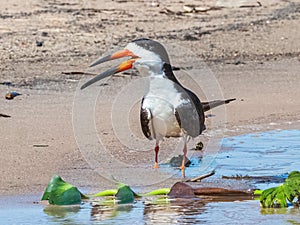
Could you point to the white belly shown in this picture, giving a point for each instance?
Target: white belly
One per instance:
(163, 122)
(162, 100)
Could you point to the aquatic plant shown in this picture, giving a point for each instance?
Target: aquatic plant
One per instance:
(124, 194)
(288, 192)
(59, 192)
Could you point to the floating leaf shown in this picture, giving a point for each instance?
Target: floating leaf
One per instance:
(59, 192)
(161, 191)
(125, 195)
(110, 192)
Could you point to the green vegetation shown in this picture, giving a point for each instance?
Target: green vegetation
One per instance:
(59, 192)
(277, 197)
(161, 191)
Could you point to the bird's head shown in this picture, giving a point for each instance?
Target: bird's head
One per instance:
(146, 55)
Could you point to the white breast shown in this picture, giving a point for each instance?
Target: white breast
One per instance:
(162, 99)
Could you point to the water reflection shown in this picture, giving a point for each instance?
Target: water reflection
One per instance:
(61, 211)
(180, 211)
(150, 211)
(68, 215)
(108, 212)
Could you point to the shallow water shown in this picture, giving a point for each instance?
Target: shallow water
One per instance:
(190, 212)
(272, 154)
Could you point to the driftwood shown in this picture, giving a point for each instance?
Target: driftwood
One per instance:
(183, 190)
(215, 191)
(201, 177)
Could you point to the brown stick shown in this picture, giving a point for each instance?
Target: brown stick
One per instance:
(201, 177)
(220, 191)
(78, 73)
(4, 115)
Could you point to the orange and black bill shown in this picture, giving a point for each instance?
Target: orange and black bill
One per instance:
(126, 65)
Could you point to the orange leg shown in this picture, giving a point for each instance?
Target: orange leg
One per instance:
(156, 149)
(183, 160)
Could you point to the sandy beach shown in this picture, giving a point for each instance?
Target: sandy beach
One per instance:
(252, 53)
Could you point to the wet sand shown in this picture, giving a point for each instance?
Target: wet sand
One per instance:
(253, 52)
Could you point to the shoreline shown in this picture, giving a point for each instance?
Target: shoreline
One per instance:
(252, 53)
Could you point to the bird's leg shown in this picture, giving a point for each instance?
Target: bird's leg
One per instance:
(183, 159)
(156, 149)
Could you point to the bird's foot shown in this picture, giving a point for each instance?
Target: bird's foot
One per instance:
(156, 165)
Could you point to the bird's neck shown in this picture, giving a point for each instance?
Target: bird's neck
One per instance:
(167, 69)
(151, 68)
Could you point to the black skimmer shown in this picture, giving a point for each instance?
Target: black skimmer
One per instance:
(168, 109)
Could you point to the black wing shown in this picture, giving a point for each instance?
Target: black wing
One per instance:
(145, 117)
(190, 115)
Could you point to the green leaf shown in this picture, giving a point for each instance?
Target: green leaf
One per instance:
(125, 195)
(258, 192)
(294, 174)
(59, 192)
(110, 192)
(70, 196)
(161, 191)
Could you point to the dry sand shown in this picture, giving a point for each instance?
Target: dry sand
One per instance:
(253, 52)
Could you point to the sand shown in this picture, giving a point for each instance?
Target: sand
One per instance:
(249, 53)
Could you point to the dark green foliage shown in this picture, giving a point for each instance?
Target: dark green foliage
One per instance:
(59, 192)
(125, 195)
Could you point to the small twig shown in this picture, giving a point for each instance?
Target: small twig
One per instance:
(40, 145)
(257, 178)
(8, 83)
(78, 73)
(201, 177)
(4, 115)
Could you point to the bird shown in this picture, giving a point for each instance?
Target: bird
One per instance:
(168, 109)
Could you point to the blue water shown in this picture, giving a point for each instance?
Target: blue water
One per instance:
(266, 153)
(273, 153)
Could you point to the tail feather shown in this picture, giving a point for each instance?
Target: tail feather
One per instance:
(212, 104)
